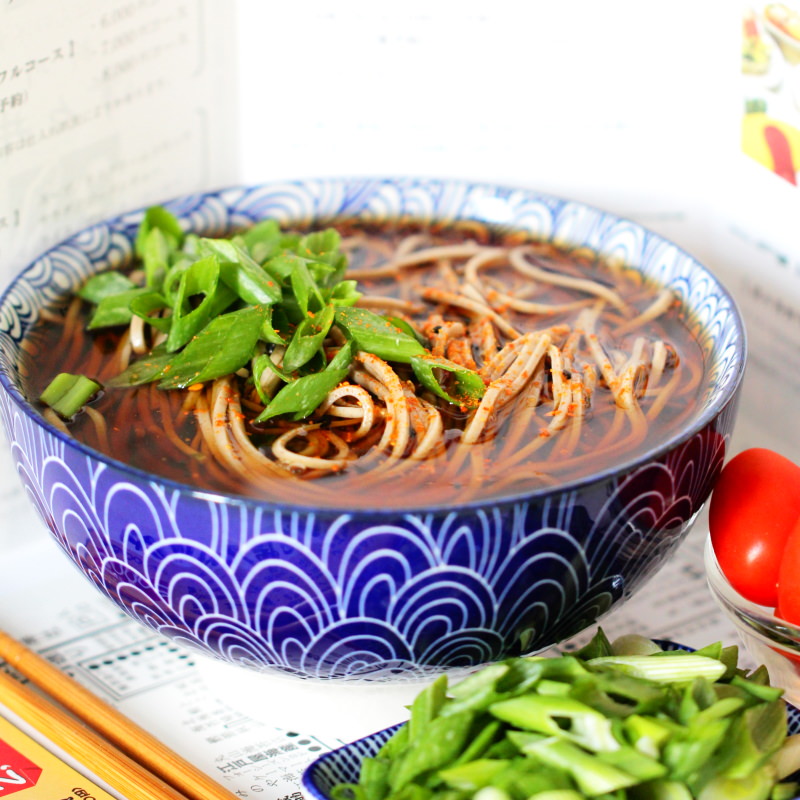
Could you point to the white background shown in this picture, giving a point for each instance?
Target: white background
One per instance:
(623, 104)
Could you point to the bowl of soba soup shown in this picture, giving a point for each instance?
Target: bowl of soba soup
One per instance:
(368, 429)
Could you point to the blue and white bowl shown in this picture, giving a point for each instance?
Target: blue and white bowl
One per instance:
(384, 593)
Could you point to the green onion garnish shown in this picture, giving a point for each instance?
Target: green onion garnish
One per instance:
(218, 303)
(67, 394)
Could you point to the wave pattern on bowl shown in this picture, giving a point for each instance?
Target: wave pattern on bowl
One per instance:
(330, 595)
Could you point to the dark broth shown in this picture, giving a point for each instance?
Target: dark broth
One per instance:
(144, 424)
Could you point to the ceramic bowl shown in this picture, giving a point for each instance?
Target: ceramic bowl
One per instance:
(382, 593)
(768, 639)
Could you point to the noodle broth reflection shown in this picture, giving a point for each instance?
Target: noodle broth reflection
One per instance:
(584, 365)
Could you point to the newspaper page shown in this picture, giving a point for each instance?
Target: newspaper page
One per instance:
(581, 99)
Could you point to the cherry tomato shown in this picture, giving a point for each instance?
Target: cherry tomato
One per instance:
(789, 579)
(754, 507)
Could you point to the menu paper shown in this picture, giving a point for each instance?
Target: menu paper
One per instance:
(104, 107)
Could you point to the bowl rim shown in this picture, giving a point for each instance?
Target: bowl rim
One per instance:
(699, 422)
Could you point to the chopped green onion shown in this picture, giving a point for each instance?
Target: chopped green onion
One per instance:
(568, 728)
(115, 309)
(147, 369)
(263, 362)
(474, 775)
(67, 394)
(344, 293)
(155, 257)
(274, 326)
(375, 334)
(632, 644)
(679, 669)
(200, 280)
(157, 217)
(143, 305)
(305, 288)
(242, 273)
(105, 284)
(469, 386)
(263, 240)
(591, 775)
(302, 396)
(223, 346)
(307, 339)
(404, 326)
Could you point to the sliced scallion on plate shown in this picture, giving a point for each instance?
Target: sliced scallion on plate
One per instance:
(598, 723)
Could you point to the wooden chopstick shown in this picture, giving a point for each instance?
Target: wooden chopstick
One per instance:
(137, 756)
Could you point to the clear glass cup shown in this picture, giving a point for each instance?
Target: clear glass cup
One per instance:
(768, 639)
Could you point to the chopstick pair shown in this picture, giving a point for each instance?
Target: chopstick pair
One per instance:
(113, 747)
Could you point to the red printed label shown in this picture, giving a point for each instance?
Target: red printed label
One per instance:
(17, 772)
(25, 764)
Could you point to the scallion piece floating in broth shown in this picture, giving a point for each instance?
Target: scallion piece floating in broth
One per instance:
(67, 394)
(302, 396)
(377, 335)
(223, 346)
